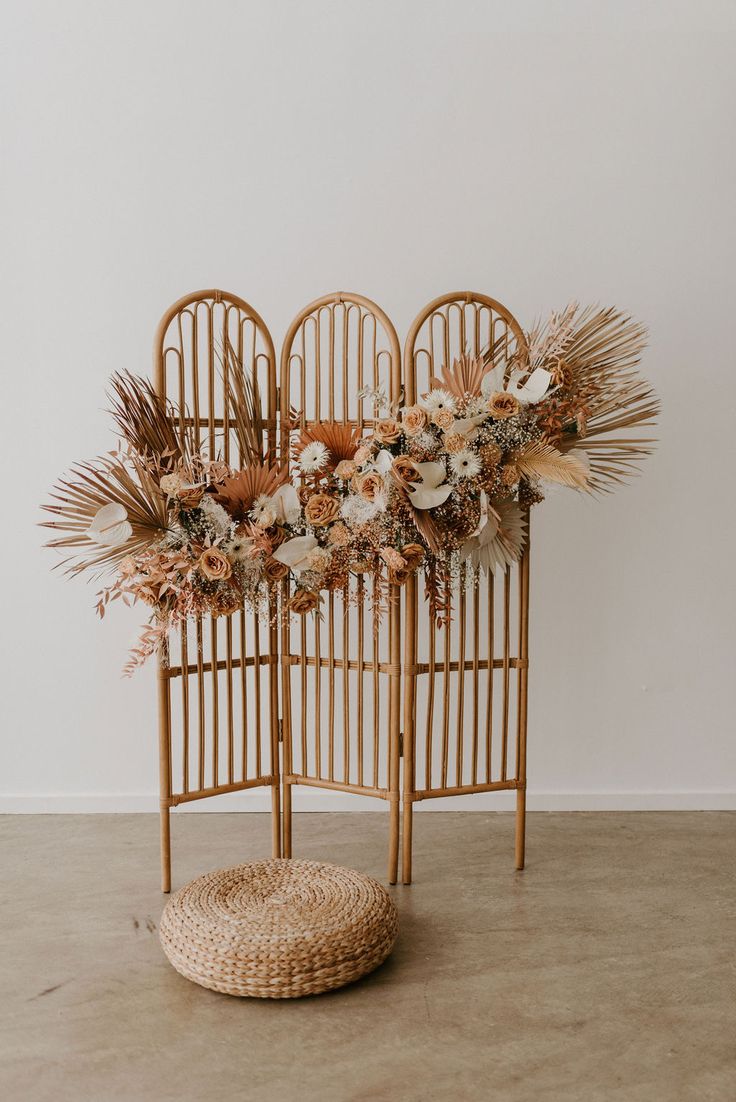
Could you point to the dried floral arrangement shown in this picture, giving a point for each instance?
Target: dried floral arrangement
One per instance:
(440, 488)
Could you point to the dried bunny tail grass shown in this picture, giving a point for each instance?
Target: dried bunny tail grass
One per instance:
(149, 422)
(244, 404)
(122, 479)
(541, 460)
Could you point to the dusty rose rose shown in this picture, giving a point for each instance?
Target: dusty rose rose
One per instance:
(392, 558)
(227, 603)
(369, 485)
(276, 536)
(413, 420)
(214, 565)
(126, 567)
(414, 555)
(190, 496)
(501, 405)
(362, 454)
(387, 431)
(303, 601)
(338, 535)
(345, 469)
(274, 570)
(405, 469)
(321, 510)
(443, 418)
(454, 442)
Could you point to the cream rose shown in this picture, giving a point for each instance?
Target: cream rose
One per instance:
(413, 420)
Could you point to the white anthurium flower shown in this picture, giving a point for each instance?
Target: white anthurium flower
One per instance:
(432, 490)
(467, 426)
(382, 462)
(532, 391)
(110, 525)
(295, 553)
(285, 504)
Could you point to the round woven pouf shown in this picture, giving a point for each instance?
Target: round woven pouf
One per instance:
(278, 929)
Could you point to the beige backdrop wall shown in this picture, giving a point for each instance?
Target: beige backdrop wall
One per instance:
(399, 150)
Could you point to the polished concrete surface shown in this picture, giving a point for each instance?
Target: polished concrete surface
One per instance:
(604, 971)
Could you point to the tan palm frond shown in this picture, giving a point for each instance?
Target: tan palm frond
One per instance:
(238, 493)
(245, 409)
(342, 441)
(463, 378)
(150, 423)
(541, 460)
(120, 479)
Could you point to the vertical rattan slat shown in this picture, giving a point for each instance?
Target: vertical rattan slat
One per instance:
(448, 672)
(341, 683)
(219, 732)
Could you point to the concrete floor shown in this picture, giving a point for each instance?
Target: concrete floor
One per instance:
(604, 971)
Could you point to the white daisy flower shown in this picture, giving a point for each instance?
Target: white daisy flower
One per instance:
(465, 464)
(439, 399)
(239, 549)
(262, 511)
(314, 457)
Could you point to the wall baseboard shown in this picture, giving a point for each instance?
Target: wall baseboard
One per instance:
(316, 800)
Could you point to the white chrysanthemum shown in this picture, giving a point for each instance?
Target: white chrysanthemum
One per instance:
(239, 549)
(217, 517)
(465, 464)
(314, 457)
(263, 512)
(439, 399)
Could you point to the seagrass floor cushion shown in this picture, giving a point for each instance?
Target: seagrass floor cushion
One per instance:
(278, 929)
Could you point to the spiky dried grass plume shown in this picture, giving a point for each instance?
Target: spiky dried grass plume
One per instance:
(597, 351)
(123, 479)
(150, 423)
(245, 409)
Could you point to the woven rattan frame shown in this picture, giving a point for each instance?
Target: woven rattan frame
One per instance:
(336, 673)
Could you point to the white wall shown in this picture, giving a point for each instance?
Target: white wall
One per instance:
(537, 152)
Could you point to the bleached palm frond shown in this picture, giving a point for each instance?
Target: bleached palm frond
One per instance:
(542, 460)
(463, 378)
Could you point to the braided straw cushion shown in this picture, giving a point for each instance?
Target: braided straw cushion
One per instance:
(278, 929)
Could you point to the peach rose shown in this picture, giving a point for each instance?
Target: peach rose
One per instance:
(321, 510)
(413, 420)
(501, 405)
(454, 442)
(405, 469)
(392, 558)
(443, 418)
(414, 555)
(361, 455)
(387, 431)
(274, 570)
(303, 601)
(214, 565)
(369, 485)
(345, 469)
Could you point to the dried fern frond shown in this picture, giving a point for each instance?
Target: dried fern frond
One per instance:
(341, 441)
(541, 460)
(244, 405)
(150, 423)
(117, 479)
(463, 378)
(238, 493)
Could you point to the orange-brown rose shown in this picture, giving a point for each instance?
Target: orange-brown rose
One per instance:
(501, 405)
(400, 576)
(443, 419)
(303, 601)
(228, 602)
(321, 509)
(414, 554)
(369, 485)
(387, 431)
(405, 469)
(214, 565)
(274, 570)
(413, 420)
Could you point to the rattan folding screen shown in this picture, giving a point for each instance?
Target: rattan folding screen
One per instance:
(328, 714)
